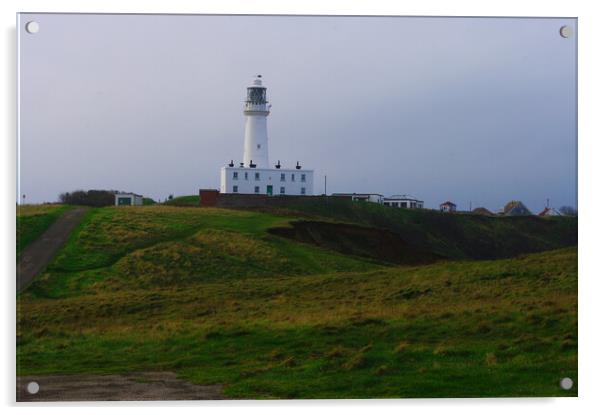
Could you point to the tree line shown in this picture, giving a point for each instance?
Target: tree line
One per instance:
(95, 198)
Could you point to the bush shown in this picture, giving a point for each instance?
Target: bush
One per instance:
(96, 198)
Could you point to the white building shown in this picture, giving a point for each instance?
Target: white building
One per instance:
(128, 199)
(365, 197)
(255, 174)
(403, 201)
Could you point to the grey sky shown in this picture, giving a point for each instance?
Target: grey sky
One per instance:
(466, 109)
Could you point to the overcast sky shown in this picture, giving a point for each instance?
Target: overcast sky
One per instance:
(465, 109)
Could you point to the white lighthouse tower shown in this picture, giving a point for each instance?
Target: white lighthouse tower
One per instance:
(255, 175)
(256, 130)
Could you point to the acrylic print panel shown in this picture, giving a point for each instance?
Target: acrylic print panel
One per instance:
(224, 207)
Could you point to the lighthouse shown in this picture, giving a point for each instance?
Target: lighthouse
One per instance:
(255, 175)
(256, 130)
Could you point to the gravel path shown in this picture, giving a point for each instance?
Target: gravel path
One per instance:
(144, 386)
(36, 256)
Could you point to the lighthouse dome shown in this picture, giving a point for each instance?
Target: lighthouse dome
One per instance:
(257, 81)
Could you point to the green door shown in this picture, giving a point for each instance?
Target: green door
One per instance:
(124, 201)
(270, 190)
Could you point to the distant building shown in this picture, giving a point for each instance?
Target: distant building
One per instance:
(550, 212)
(403, 201)
(128, 199)
(516, 208)
(447, 207)
(365, 197)
(254, 175)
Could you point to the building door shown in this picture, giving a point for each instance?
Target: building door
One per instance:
(124, 201)
(270, 190)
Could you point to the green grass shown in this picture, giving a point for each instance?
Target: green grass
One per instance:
(192, 200)
(495, 328)
(33, 220)
(211, 295)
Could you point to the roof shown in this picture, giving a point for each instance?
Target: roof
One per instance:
(267, 169)
(448, 203)
(127, 194)
(403, 197)
(516, 208)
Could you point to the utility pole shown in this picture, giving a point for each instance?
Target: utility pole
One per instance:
(324, 185)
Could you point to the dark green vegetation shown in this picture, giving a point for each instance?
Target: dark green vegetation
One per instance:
(453, 236)
(96, 198)
(214, 296)
(33, 220)
(147, 201)
(183, 201)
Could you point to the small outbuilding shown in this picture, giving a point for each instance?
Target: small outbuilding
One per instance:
(208, 197)
(128, 199)
(447, 207)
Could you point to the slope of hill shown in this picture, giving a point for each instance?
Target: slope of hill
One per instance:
(214, 296)
(453, 236)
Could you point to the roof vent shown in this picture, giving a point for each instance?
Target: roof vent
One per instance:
(251, 165)
(298, 166)
(231, 163)
(278, 165)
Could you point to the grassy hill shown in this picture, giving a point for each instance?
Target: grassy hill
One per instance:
(215, 296)
(33, 220)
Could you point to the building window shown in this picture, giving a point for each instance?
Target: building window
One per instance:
(256, 189)
(258, 145)
(303, 177)
(395, 204)
(292, 177)
(246, 175)
(256, 176)
(404, 204)
(282, 177)
(303, 190)
(235, 175)
(386, 203)
(282, 190)
(234, 189)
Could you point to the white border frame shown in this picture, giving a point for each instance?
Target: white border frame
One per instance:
(590, 34)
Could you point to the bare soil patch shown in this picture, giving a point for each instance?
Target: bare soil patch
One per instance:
(144, 386)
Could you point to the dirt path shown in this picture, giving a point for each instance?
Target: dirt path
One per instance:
(145, 386)
(36, 256)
